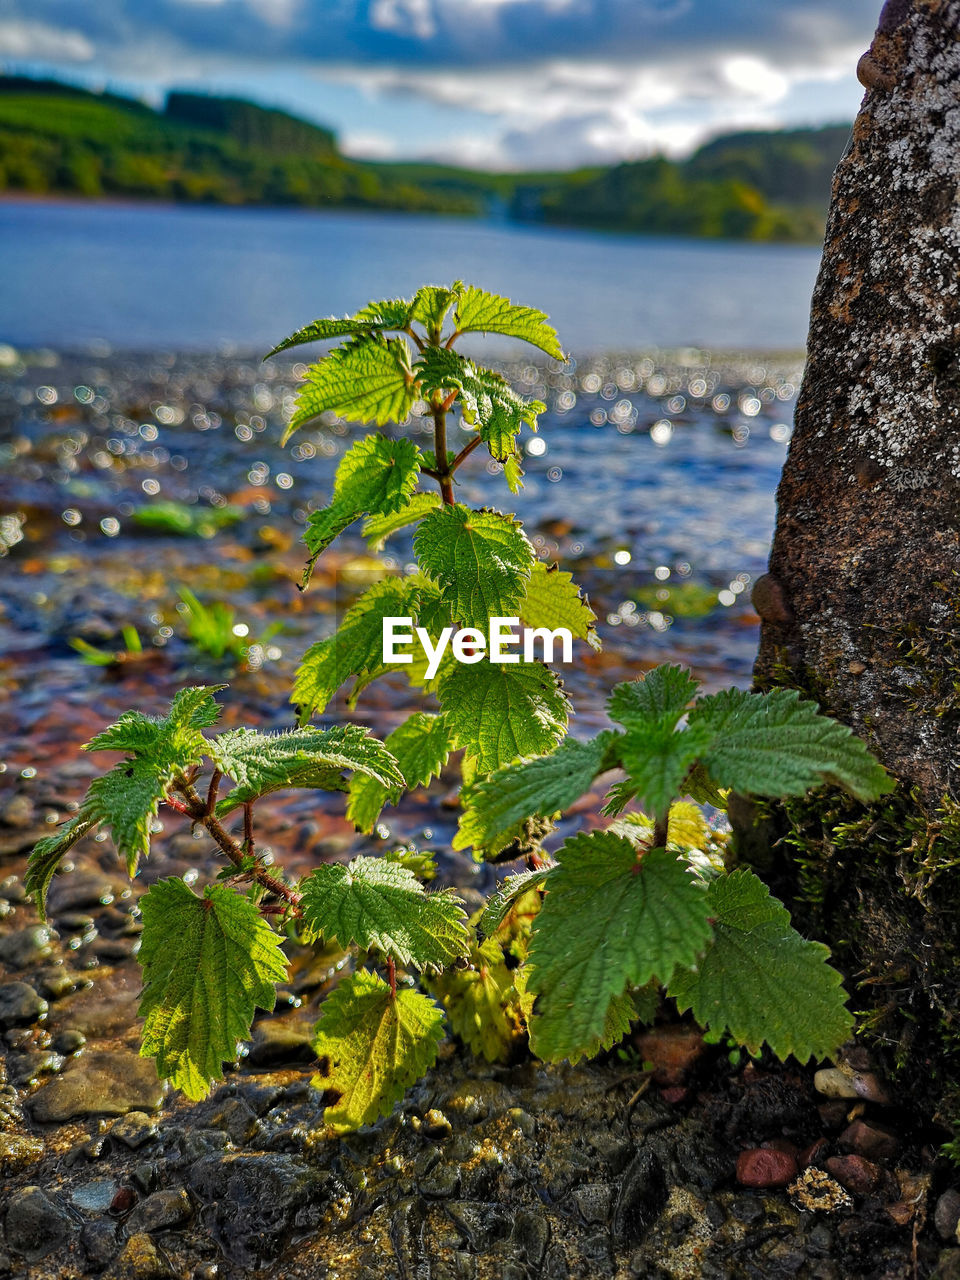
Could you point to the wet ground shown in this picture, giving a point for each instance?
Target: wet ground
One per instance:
(125, 479)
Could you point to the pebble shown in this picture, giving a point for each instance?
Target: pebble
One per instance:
(96, 1196)
(672, 1049)
(99, 1242)
(36, 1223)
(101, 1082)
(834, 1083)
(19, 812)
(25, 947)
(436, 1125)
(856, 1174)
(12, 890)
(134, 1129)
(946, 1216)
(139, 1260)
(162, 1210)
(441, 1182)
(763, 1167)
(20, 1005)
(79, 891)
(275, 1041)
(594, 1201)
(870, 1140)
(69, 1041)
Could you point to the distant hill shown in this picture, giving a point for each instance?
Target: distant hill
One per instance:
(55, 139)
(757, 186)
(60, 139)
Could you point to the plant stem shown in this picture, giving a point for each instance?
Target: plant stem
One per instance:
(464, 453)
(196, 809)
(660, 828)
(444, 473)
(212, 790)
(392, 975)
(248, 829)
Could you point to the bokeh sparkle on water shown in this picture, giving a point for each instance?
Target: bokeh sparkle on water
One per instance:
(126, 478)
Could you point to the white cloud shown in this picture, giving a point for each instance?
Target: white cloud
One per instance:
(43, 42)
(369, 146)
(563, 113)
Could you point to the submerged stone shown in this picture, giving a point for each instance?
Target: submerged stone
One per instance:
(99, 1083)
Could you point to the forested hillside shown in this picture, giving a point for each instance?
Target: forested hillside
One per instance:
(58, 139)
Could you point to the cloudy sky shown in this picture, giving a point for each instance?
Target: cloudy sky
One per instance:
(498, 83)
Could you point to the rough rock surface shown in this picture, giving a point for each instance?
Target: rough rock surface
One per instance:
(861, 607)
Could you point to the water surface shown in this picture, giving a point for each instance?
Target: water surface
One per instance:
(139, 277)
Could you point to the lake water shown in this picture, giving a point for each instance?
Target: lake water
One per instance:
(139, 277)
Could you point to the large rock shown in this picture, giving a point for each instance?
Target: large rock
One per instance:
(99, 1083)
(36, 1223)
(860, 607)
(253, 1203)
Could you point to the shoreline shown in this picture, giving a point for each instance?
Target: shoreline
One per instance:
(68, 200)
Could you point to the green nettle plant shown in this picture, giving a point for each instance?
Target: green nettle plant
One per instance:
(567, 954)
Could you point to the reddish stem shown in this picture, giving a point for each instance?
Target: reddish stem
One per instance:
(392, 975)
(196, 809)
(248, 828)
(212, 790)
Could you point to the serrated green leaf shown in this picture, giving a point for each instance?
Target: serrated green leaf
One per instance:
(127, 798)
(513, 474)
(376, 316)
(702, 788)
(657, 763)
(618, 797)
(373, 1047)
(552, 599)
(376, 476)
(260, 763)
(498, 713)
(480, 312)
(481, 561)
(48, 853)
(431, 304)
(760, 979)
(208, 963)
(654, 700)
(610, 920)
(622, 1011)
(421, 746)
(501, 901)
(369, 381)
(542, 786)
(480, 1001)
(377, 529)
(355, 648)
(774, 744)
(487, 401)
(375, 903)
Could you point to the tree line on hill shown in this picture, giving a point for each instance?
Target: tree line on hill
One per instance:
(58, 139)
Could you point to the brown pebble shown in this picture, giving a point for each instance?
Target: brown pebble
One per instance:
(901, 1211)
(857, 668)
(763, 1167)
(814, 1154)
(870, 1140)
(856, 1174)
(674, 1093)
(672, 1050)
